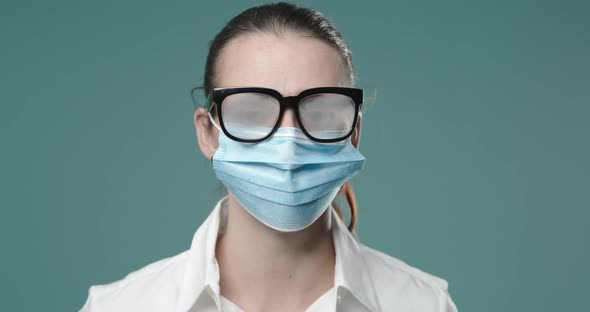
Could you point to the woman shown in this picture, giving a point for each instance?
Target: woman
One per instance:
(281, 126)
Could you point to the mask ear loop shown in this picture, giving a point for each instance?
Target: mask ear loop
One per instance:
(214, 124)
(211, 117)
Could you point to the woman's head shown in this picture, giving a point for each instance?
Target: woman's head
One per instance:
(281, 47)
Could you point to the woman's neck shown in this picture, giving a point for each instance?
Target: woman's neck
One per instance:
(262, 269)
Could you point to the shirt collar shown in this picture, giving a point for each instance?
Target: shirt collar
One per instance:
(201, 267)
(202, 272)
(351, 272)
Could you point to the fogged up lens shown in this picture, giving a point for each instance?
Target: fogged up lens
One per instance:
(327, 116)
(250, 116)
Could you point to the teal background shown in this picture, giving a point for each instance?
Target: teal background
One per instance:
(476, 143)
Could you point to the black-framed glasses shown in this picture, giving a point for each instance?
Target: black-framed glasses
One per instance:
(252, 114)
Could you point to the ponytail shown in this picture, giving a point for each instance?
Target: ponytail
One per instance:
(351, 199)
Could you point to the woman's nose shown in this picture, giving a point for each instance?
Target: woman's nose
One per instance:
(288, 119)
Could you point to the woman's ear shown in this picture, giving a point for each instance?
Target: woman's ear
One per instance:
(207, 134)
(356, 134)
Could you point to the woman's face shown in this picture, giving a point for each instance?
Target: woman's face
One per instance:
(289, 63)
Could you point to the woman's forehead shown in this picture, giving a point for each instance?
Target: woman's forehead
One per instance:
(288, 63)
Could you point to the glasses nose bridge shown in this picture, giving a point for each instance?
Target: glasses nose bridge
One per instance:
(290, 101)
(288, 116)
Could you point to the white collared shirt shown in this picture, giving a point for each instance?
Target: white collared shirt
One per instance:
(364, 280)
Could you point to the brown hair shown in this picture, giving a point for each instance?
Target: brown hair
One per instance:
(278, 18)
(351, 199)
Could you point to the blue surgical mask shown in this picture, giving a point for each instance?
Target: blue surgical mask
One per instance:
(288, 180)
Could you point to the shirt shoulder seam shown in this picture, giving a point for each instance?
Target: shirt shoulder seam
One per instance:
(144, 271)
(429, 279)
